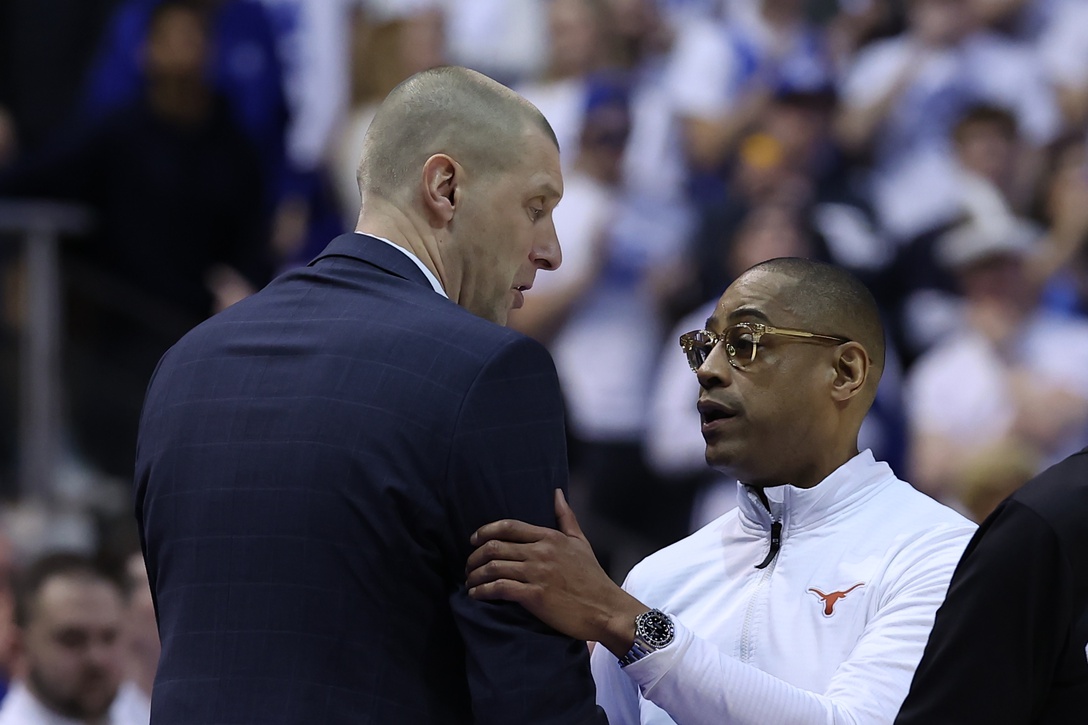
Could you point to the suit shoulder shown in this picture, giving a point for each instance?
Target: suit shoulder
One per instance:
(482, 341)
(362, 308)
(1058, 488)
(1059, 496)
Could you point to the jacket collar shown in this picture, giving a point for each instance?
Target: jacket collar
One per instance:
(801, 508)
(375, 252)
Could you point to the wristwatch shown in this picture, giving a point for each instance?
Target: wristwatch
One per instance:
(653, 630)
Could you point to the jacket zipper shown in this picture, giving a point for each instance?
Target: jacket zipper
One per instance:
(776, 544)
(767, 566)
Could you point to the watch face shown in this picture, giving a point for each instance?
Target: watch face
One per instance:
(655, 628)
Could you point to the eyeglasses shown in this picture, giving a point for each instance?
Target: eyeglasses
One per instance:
(741, 342)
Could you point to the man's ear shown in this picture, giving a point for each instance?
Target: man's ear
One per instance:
(852, 365)
(441, 178)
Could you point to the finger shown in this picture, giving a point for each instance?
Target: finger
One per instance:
(568, 522)
(505, 589)
(496, 550)
(494, 571)
(508, 530)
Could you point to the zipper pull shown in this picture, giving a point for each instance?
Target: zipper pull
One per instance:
(776, 544)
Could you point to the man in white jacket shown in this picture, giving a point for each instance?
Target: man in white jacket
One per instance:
(70, 618)
(809, 603)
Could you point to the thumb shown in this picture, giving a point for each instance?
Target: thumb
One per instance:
(568, 523)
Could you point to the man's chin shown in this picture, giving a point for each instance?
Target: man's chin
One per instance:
(97, 712)
(732, 466)
(90, 701)
(86, 708)
(722, 459)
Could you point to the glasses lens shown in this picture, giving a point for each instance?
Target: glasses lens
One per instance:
(697, 346)
(740, 344)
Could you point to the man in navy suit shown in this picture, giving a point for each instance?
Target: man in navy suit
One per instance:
(313, 460)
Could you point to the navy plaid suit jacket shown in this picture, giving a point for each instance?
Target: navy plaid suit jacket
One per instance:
(311, 463)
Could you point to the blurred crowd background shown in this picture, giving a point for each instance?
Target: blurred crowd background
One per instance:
(171, 157)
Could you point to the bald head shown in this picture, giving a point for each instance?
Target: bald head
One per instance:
(832, 301)
(450, 110)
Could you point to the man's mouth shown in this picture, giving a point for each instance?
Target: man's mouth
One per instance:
(713, 413)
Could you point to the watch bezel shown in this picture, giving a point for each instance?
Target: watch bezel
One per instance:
(655, 628)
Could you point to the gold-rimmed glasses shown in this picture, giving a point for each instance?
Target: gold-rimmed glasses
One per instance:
(741, 342)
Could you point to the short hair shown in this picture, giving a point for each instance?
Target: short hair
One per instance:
(451, 110)
(30, 582)
(832, 301)
(999, 117)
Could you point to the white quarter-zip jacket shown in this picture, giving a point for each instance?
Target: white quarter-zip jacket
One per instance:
(829, 630)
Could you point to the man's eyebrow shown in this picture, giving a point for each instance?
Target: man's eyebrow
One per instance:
(739, 313)
(749, 312)
(551, 190)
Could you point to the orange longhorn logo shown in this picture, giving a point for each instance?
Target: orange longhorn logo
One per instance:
(831, 599)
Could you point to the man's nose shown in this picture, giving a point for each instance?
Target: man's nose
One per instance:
(548, 254)
(715, 370)
(102, 654)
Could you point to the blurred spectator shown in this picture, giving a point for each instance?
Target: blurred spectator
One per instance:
(312, 43)
(583, 221)
(791, 157)
(986, 147)
(986, 142)
(653, 165)
(1021, 19)
(854, 24)
(503, 39)
(725, 74)
(70, 617)
(181, 229)
(281, 66)
(1009, 386)
(760, 175)
(924, 293)
(388, 46)
(579, 38)
(990, 479)
(243, 66)
(1064, 54)
(682, 12)
(45, 48)
(903, 95)
(653, 192)
(1062, 266)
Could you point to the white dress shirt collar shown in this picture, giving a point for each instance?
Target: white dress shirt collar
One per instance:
(430, 275)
